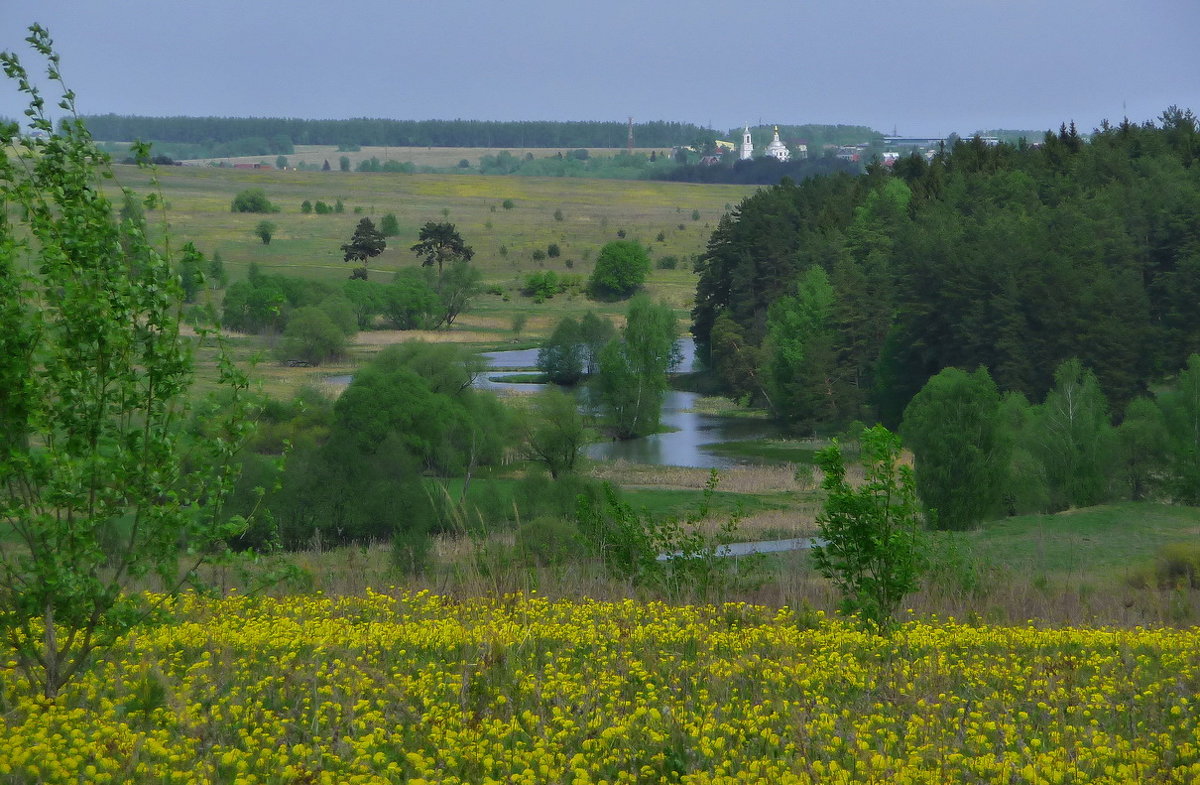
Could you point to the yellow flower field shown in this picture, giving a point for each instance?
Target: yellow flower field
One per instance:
(418, 688)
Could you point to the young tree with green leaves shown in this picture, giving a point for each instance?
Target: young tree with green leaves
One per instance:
(95, 491)
(869, 536)
(553, 432)
(632, 379)
(1072, 436)
(1181, 410)
(960, 449)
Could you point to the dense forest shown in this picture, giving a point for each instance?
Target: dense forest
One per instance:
(278, 134)
(838, 297)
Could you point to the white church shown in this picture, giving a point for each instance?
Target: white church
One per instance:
(776, 149)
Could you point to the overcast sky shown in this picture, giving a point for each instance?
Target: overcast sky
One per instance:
(921, 68)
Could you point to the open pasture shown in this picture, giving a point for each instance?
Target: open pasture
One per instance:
(309, 245)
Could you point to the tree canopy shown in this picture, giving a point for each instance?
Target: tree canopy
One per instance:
(366, 243)
(621, 268)
(439, 243)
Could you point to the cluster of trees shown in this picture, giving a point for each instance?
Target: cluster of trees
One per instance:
(627, 371)
(280, 134)
(620, 166)
(836, 299)
(413, 300)
(358, 468)
(980, 454)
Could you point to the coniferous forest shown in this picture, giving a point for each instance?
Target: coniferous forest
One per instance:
(837, 298)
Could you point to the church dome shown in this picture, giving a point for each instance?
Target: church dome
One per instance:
(777, 149)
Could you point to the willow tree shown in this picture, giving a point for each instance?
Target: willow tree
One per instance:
(95, 493)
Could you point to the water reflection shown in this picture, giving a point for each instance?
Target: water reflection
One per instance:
(686, 445)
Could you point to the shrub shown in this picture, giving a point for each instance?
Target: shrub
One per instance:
(549, 541)
(389, 226)
(265, 231)
(552, 250)
(558, 215)
(667, 263)
(321, 208)
(252, 200)
(662, 237)
(620, 269)
(507, 204)
(538, 255)
(311, 335)
(541, 286)
(306, 207)
(1175, 566)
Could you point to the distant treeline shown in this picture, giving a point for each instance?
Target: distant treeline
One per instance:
(212, 131)
(757, 171)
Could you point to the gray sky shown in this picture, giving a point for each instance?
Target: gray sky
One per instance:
(923, 68)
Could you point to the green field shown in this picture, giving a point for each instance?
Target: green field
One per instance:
(593, 211)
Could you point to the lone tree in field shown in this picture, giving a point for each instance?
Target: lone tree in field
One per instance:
(621, 268)
(439, 243)
(100, 483)
(367, 243)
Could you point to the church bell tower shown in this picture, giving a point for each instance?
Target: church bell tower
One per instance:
(747, 146)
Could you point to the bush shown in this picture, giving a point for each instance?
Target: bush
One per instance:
(538, 255)
(667, 263)
(507, 204)
(252, 200)
(541, 286)
(549, 541)
(620, 270)
(553, 251)
(1176, 566)
(321, 208)
(311, 335)
(558, 215)
(389, 226)
(306, 207)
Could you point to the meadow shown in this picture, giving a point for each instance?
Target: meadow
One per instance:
(392, 686)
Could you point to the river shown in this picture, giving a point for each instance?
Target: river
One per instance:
(689, 432)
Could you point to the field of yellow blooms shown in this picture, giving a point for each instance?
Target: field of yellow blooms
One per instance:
(419, 688)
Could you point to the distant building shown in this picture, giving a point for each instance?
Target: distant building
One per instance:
(777, 149)
(747, 146)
